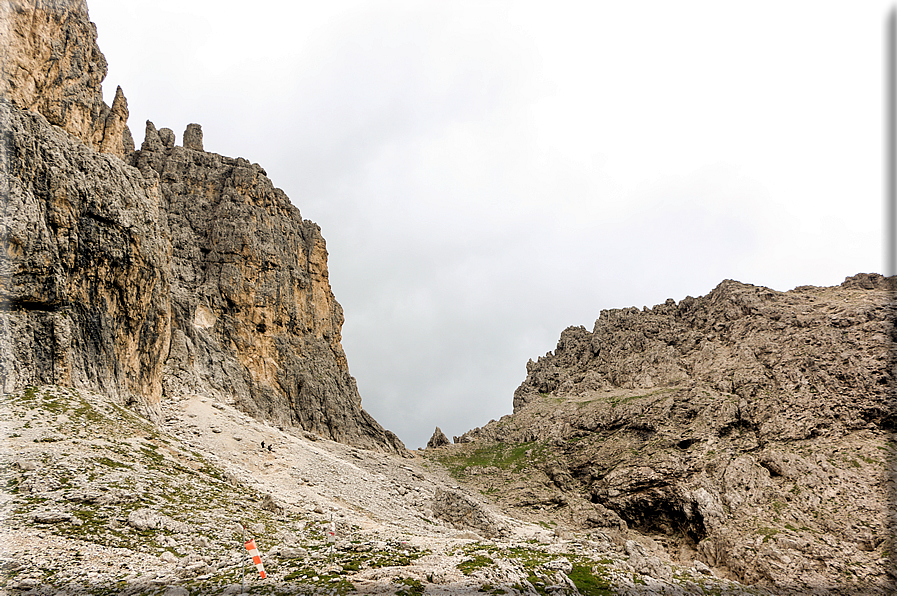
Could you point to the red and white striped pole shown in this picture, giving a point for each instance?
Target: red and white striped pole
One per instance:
(254, 553)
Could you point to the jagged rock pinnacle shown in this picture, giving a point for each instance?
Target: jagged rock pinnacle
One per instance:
(161, 273)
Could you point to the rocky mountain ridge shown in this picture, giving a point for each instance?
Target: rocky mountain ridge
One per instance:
(737, 443)
(749, 429)
(159, 272)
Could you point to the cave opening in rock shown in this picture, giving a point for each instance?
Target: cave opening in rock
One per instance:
(663, 514)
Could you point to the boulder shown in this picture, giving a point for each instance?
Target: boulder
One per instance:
(464, 513)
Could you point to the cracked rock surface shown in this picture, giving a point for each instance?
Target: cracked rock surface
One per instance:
(749, 429)
(169, 270)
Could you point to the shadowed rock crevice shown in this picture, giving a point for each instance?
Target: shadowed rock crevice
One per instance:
(657, 512)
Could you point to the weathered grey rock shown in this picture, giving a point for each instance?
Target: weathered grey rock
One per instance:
(84, 265)
(289, 552)
(168, 557)
(702, 567)
(438, 439)
(26, 464)
(560, 564)
(743, 340)
(179, 272)
(647, 564)
(595, 515)
(53, 66)
(745, 427)
(148, 519)
(51, 517)
(166, 136)
(254, 320)
(270, 504)
(144, 519)
(464, 513)
(193, 137)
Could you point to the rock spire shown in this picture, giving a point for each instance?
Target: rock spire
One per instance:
(160, 273)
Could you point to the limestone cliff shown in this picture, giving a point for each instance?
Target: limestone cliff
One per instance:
(159, 273)
(86, 254)
(749, 429)
(253, 318)
(53, 66)
(748, 341)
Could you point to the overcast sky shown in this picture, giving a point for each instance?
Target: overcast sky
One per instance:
(487, 173)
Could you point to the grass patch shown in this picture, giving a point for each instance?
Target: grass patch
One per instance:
(589, 584)
(111, 463)
(513, 457)
(409, 586)
(768, 533)
(477, 562)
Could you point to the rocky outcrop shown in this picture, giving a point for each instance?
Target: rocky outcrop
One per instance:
(159, 273)
(53, 66)
(748, 341)
(84, 266)
(748, 429)
(254, 321)
(465, 513)
(438, 439)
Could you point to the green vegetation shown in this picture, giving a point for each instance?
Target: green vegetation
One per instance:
(768, 533)
(410, 587)
(111, 463)
(589, 584)
(505, 456)
(477, 562)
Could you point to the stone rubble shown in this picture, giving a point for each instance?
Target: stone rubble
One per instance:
(118, 501)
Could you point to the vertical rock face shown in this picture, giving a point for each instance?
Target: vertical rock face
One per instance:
(158, 273)
(53, 66)
(254, 319)
(85, 255)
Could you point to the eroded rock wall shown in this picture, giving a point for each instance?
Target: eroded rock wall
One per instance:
(800, 362)
(749, 429)
(254, 319)
(84, 266)
(158, 273)
(53, 66)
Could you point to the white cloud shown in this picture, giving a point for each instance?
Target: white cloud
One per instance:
(487, 173)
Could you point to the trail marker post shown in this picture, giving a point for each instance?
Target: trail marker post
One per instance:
(331, 536)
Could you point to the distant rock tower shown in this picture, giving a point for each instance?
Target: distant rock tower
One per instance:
(193, 137)
(438, 439)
